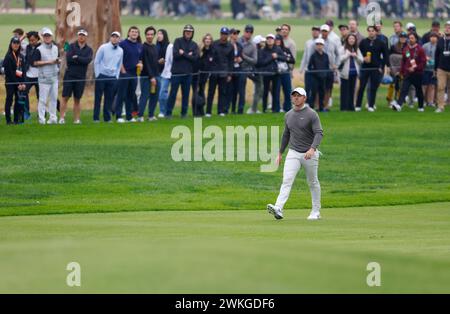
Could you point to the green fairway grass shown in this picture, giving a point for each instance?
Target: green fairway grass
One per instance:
(111, 198)
(230, 251)
(368, 159)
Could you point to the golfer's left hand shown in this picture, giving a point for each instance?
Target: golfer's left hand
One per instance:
(310, 153)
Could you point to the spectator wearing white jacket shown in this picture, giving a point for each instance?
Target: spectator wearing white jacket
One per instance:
(351, 60)
(166, 76)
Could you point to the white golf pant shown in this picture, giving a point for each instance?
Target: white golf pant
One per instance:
(48, 93)
(293, 164)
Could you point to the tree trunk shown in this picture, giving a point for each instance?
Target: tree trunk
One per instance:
(99, 17)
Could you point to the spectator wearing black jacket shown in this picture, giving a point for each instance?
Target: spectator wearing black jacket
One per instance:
(206, 64)
(286, 74)
(14, 82)
(267, 63)
(78, 57)
(238, 78)
(376, 57)
(223, 58)
(30, 71)
(150, 80)
(185, 55)
(442, 67)
(319, 65)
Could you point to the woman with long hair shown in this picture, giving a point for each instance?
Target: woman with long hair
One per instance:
(351, 60)
(206, 64)
(14, 81)
(162, 43)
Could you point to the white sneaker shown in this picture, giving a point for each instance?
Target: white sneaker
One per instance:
(152, 119)
(357, 109)
(222, 115)
(330, 102)
(314, 216)
(133, 120)
(250, 111)
(393, 103)
(97, 121)
(208, 115)
(282, 111)
(439, 110)
(62, 121)
(275, 211)
(121, 120)
(141, 119)
(370, 109)
(42, 122)
(395, 106)
(77, 122)
(52, 121)
(421, 110)
(161, 116)
(258, 112)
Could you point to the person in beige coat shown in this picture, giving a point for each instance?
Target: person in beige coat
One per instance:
(351, 59)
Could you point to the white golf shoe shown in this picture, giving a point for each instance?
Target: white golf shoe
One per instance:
(315, 215)
(275, 211)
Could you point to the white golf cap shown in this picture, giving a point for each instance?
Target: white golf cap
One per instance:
(299, 91)
(325, 27)
(319, 41)
(116, 34)
(46, 31)
(270, 36)
(410, 25)
(82, 32)
(258, 39)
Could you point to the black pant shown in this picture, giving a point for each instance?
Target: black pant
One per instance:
(317, 87)
(416, 81)
(223, 94)
(12, 96)
(348, 93)
(375, 79)
(30, 83)
(201, 95)
(276, 84)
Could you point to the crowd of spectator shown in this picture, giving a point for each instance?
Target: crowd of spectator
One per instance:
(133, 75)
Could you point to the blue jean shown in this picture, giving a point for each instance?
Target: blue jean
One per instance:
(286, 84)
(104, 86)
(126, 93)
(164, 95)
(185, 82)
(146, 96)
(238, 84)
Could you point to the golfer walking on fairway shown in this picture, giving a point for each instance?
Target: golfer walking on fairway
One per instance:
(303, 133)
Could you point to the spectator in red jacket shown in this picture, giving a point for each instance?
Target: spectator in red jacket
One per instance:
(413, 65)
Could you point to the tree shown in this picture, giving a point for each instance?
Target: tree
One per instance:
(99, 17)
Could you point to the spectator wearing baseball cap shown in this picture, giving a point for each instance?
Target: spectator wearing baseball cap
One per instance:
(13, 67)
(47, 60)
(107, 65)
(310, 48)
(319, 65)
(78, 57)
(250, 58)
(185, 55)
(223, 55)
(270, 56)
